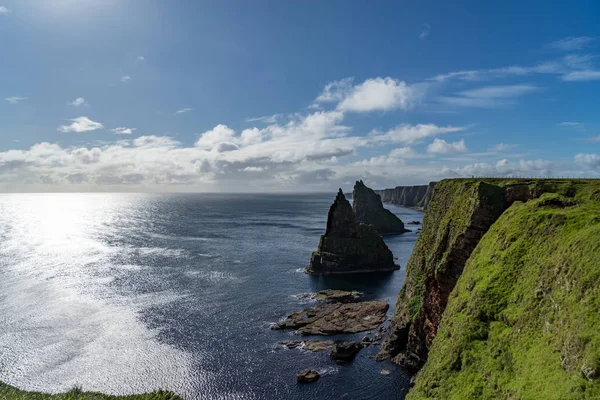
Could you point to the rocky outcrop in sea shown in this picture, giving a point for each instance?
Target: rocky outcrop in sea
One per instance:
(368, 209)
(348, 246)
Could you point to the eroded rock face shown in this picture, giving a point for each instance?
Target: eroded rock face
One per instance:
(334, 318)
(346, 351)
(458, 216)
(307, 376)
(408, 196)
(349, 247)
(369, 210)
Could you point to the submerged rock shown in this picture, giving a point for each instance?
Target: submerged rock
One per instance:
(368, 208)
(346, 351)
(349, 247)
(330, 319)
(309, 345)
(307, 376)
(341, 296)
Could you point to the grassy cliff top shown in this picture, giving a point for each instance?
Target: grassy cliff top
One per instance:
(11, 393)
(523, 321)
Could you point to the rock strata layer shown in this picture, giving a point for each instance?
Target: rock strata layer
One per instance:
(369, 210)
(334, 318)
(349, 247)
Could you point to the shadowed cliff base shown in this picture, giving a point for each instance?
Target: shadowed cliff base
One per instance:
(530, 252)
(349, 247)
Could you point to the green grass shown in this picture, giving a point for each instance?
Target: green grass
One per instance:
(523, 321)
(11, 393)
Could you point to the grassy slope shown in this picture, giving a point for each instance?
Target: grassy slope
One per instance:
(523, 321)
(11, 393)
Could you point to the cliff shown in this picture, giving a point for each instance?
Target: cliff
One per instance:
(408, 196)
(501, 295)
(349, 247)
(369, 210)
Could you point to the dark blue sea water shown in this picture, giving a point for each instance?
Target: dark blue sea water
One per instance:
(125, 293)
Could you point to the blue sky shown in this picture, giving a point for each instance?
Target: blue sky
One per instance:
(293, 96)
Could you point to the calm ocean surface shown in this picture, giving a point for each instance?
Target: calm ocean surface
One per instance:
(125, 293)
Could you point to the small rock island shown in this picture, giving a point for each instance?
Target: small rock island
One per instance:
(369, 210)
(348, 246)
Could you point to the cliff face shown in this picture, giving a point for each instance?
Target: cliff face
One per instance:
(349, 247)
(501, 295)
(408, 196)
(459, 214)
(369, 210)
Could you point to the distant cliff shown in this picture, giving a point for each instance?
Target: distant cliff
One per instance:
(501, 298)
(348, 246)
(408, 196)
(369, 210)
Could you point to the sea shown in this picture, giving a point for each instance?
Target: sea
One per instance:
(128, 293)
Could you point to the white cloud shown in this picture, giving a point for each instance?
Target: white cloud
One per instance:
(440, 146)
(425, 31)
(502, 147)
(585, 75)
(571, 43)
(591, 161)
(220, 133)
(123, 130)
(335, 91)
(78, 102)
(140, 58)
(378, 94)
(81, 124)
(15, 99)
(495, 92)
(502, 168)
(569, 124)
(414, 133)
(571, 67)
(403, 152)
(184, 110)
(268, 119)
(4, 10)
(489, 96)
(125, 78)
(253, 169)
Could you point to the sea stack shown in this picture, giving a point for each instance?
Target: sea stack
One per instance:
(349, 247)
(369, 210)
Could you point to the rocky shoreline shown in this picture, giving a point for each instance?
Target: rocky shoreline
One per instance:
(338, 312)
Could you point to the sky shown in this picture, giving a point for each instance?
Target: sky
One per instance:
(294, 96)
